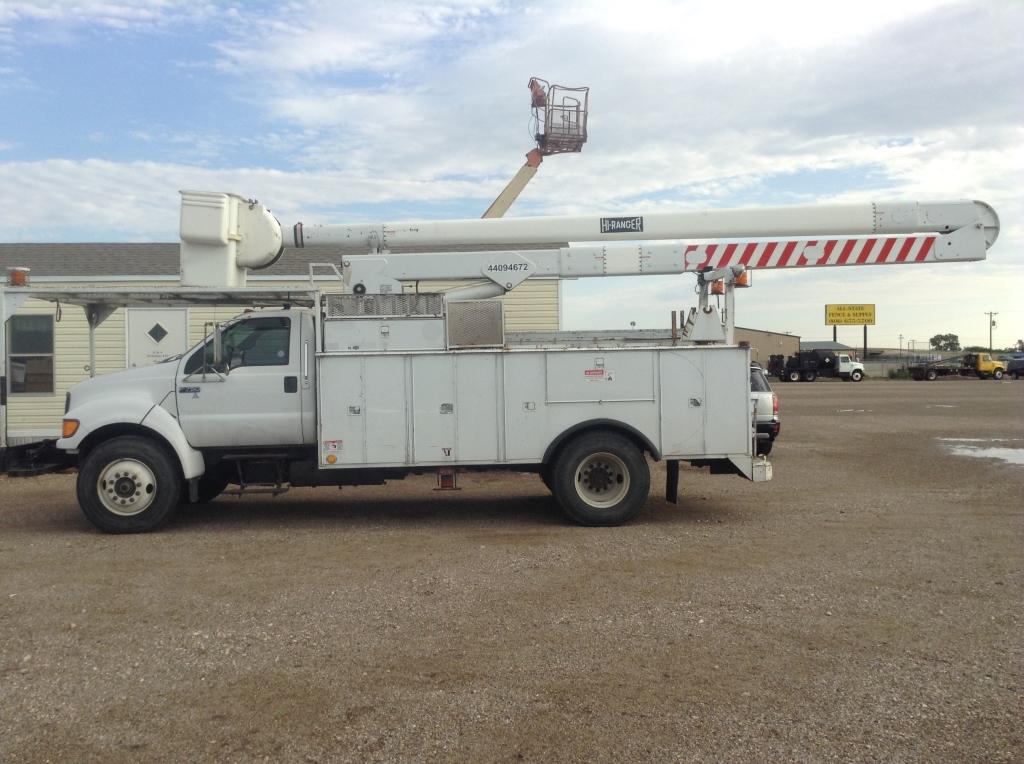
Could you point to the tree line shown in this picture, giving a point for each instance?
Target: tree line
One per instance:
(951, 343)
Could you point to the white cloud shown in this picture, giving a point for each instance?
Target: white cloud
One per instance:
(126, 14)
(325, 37)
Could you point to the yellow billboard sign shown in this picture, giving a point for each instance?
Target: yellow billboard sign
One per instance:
(850, 314)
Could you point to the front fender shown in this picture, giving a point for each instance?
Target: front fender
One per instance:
(96, 414)
(160, 421)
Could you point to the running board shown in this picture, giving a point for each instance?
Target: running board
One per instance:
(245, 490)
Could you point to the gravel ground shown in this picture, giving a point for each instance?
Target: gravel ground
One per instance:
(865, 605)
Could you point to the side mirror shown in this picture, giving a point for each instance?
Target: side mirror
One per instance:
(213, 352)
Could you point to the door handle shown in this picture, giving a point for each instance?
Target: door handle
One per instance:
(291, 384)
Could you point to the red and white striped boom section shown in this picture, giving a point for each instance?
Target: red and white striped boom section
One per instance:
(874, 233)
(795, 253)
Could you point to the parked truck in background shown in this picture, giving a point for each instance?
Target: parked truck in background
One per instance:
(808, 365)
(980, 365)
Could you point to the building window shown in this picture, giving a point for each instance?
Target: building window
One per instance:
(30, 354)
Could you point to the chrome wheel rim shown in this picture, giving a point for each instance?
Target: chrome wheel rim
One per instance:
(126, 487)
(602, 480)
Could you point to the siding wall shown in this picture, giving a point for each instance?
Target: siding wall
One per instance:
(764, 344)
(531, 306)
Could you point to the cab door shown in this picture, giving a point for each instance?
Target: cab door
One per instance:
(254, 399)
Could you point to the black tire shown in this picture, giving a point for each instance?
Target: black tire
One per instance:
(545, 476)
(931, 375)
(127, 472)
(1016, 375)
(764, 447)
(601, 478)
(997, 374)
(856, 375)
(810, 376)
(793, 376)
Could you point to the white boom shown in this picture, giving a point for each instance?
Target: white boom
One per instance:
(754, 222)
(852, 234)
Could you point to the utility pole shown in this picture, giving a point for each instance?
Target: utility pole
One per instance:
(901, 346)
(991, 323)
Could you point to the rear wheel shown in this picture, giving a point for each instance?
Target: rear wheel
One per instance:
(128, 485)
(931, 374)
(601, 478)
(546, 477)
(810, 376)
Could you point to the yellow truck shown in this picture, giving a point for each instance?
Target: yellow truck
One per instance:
(980, 365)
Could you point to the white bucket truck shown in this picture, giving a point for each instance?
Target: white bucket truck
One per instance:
(376, 382)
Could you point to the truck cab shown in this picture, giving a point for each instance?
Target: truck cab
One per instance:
(261, 394)
(984, 366)
(849, 369)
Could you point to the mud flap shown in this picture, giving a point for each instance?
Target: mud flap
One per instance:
(672, 481)
(757, 469)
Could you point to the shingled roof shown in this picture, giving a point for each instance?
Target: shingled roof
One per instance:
(158, 259)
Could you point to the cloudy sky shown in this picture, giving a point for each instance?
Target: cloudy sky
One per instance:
(338, 111)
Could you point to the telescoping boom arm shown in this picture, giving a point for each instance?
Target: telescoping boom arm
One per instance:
(860, 234)
(871, 233)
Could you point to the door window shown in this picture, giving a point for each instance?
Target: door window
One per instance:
(250, 342)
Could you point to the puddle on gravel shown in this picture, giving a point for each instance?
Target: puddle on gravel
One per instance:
(971, 447)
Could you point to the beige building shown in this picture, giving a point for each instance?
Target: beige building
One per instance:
(48, 345)
(764, 344)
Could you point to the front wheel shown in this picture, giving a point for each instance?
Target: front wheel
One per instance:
(856, 375)
(601, 478)
(128, 485)
(930, 375)
(997, 374)
(794, 376)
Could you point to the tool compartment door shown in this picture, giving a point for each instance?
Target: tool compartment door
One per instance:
(433, 426)
(363, 410)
